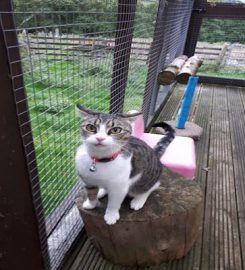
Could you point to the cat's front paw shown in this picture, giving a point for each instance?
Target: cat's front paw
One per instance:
(137, 203)
(88, 204)
(111, 217)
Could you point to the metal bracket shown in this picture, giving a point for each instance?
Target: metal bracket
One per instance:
(200, 10)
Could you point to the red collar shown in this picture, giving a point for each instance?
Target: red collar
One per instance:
(107, 159)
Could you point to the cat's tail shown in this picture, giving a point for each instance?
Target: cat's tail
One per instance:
(164, 142)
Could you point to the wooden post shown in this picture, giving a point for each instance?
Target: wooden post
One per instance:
(20, 245)
(164, 229)
(221, 55)
(198, 12)
(123, 41)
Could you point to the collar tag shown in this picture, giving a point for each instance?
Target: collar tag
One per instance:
(93, 166)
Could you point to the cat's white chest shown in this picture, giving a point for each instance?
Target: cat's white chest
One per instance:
(106, 174)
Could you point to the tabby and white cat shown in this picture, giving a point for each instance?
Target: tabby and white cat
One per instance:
(117, 163)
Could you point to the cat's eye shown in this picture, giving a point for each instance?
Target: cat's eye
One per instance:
(91, 128)
(115, 130)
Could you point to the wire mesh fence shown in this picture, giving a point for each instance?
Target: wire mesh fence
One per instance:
(168, 42)
(104, 55)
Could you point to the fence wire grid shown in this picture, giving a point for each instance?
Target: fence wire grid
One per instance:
(168, 42)
(87, 53)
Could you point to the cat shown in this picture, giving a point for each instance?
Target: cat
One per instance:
(117, 163)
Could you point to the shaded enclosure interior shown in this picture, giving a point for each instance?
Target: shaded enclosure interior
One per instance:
(106, 55)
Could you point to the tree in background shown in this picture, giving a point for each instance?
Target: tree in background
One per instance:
(222, 30)
(87, 17)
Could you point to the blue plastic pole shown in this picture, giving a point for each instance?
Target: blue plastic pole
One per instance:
(186, 103)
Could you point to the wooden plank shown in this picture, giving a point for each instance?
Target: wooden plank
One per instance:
(88, 258)
(201, 116)
(214, 46)
(171, 108)
(200, 113)
(81, 255)
(88, 40)
(86, 262)
(221, 233)
(194, 105)
(72, 256)
(236, 105)
(207, 56)
(100, 262)
(207, 51)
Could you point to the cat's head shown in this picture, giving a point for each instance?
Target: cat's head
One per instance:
(104, 133)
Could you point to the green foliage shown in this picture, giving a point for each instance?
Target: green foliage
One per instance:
(145, 19)
(217, 30)
(87, 17)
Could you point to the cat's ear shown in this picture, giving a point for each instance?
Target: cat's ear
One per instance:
(131, 116)
(84, 112)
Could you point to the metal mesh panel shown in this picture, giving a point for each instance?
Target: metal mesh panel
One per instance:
(168, 43)
(139, 57)
(221, 44)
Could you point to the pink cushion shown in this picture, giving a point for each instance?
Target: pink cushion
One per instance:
(180, 155)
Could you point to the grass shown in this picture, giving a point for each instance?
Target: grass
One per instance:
(53, 88)
(223, 72)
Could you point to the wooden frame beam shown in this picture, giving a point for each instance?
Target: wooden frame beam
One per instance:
(20, 244)
(225, 11)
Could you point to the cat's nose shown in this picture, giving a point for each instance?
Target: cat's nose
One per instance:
(100, 139)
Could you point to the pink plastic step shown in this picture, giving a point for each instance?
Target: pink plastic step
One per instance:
(180, 155)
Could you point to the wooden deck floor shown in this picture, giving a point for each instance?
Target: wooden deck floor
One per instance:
(221, 172)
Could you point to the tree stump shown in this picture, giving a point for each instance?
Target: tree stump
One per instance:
(164, 229)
